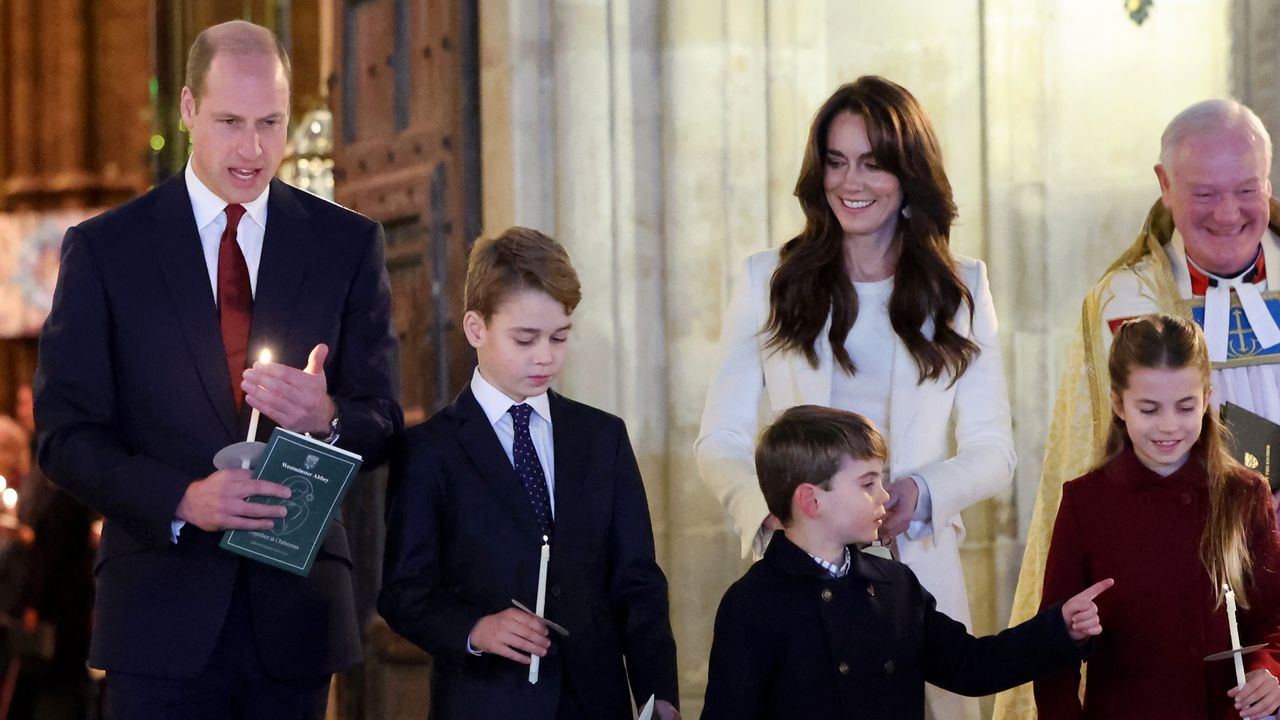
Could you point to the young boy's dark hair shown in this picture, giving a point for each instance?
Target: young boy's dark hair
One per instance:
(804, 445)
(817, 629)
(518, 259)
(479, 489)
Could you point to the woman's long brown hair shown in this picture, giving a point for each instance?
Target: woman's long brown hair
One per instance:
(1163, 341)
(811, 281)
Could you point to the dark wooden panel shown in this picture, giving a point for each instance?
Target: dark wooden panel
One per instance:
(405, 99)
(73, 102)
(405, 104)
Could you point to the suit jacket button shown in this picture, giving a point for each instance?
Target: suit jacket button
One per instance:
(827, 595)
(555, 591)
(888, 668)
(843, 668)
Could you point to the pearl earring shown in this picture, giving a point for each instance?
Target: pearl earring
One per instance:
(906, 211)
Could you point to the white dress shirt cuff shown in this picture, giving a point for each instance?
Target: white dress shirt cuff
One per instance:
(175, 527)
(922, 520)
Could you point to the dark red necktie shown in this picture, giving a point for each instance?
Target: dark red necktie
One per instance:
(235, 301)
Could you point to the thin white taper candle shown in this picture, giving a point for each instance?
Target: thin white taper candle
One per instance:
(541, 606)
(263, 357)
(1235, 633)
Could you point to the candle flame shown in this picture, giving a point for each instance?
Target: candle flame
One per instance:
(264, 356)
(545, 539)
(10, 498)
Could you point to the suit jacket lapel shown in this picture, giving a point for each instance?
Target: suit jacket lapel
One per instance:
(281, 271)
(480, 442)
(186, 276)
(570, 466)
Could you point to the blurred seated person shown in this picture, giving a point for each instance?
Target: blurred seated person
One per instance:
(57, 590)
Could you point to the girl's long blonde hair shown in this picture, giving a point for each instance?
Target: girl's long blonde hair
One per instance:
(1164, 341)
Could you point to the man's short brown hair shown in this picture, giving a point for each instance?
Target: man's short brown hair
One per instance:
(805, 445)
(518, 259)
(235, 37)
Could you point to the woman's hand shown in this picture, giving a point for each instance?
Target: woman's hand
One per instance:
(904, 495)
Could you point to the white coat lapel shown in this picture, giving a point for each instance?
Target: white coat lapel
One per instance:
(814, 384)
(904, 399)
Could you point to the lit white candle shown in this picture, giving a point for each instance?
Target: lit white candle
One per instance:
(263, 357)
(10, 499)
(1235, 633)
(540, 607)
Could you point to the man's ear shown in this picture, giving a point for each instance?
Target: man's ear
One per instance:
(805, 500)
(475, 328)
(1166, 192)
(187, 106)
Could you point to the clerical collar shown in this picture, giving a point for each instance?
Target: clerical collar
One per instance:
(1202, 280)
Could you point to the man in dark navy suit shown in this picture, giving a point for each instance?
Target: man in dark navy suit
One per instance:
(142, 379)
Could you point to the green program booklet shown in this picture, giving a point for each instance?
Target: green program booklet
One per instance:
(318, 476)
(1255, 442)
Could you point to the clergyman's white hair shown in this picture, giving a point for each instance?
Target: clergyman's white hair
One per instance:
(1210, 116)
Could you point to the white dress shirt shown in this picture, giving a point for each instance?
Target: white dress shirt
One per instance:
(495, 405)
(211, 220)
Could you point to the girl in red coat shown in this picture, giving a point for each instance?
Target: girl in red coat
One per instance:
(1172, 517)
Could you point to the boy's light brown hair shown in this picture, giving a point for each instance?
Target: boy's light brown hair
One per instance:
(805, 445)
(518, 259)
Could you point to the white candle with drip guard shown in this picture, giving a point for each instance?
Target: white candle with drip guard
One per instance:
(263, 357)
(1235, 633)
(540, 607)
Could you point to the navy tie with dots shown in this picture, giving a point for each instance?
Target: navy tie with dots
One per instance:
(525, 459)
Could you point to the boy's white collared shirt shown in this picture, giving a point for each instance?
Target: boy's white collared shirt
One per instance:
(835, 571)
(496, 404)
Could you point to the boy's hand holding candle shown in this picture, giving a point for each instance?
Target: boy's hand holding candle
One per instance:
(513, 633)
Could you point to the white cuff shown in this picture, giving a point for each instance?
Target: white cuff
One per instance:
(922, 520)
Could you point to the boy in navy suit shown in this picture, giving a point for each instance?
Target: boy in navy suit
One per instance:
(817, 629)
(477, 487)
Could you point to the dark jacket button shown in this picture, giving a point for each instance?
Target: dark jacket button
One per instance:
(888, 668)
(843, 668)
(827, 595)
(555, 591)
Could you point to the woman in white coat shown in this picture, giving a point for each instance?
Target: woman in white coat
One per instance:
(868, 310)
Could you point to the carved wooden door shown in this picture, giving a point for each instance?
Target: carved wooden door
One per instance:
(406, 101)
